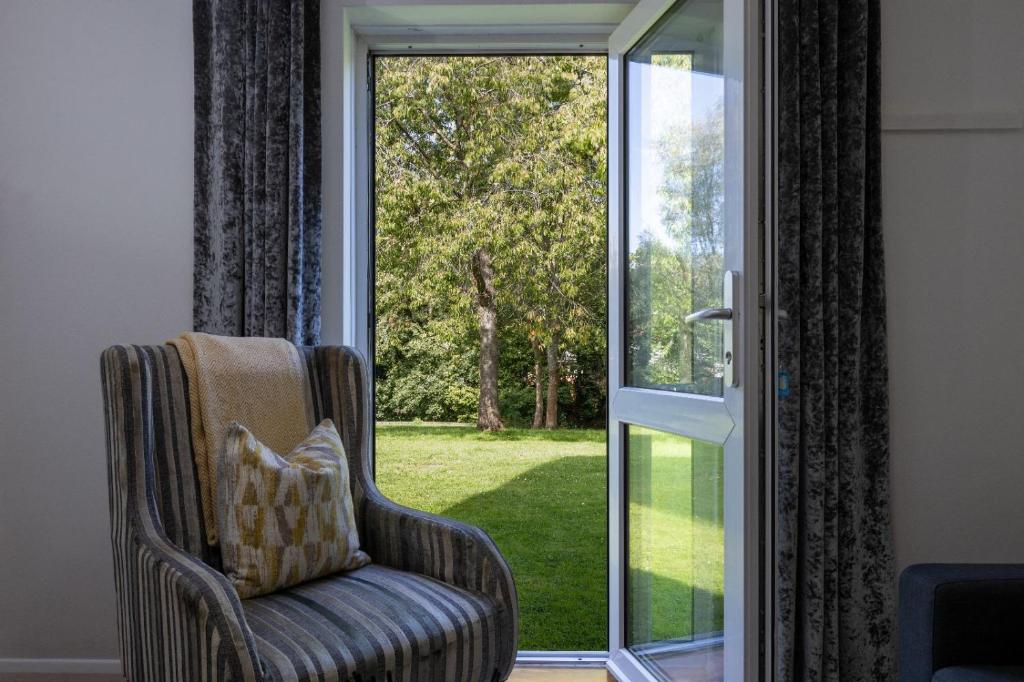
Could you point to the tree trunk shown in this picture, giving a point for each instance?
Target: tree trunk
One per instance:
(488, 416)
(538, 383)
(551, 417)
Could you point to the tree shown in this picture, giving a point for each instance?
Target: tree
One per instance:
(558, 181)
(490, 216)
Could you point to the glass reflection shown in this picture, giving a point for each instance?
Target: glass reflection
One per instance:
(675, 188)
(676, 554)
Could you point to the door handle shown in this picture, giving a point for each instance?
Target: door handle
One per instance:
(728, 316)
(709, 314)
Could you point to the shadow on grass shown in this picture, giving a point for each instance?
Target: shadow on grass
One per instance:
(549, 520)
(663, 608)
(469, 432)
(550, 524)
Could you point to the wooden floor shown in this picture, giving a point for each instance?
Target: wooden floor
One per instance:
(534, 674)
(520, 674)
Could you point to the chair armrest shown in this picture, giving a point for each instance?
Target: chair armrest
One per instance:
(402, 538)
(194, 612)
(178, 618)
(450, 551)
(960, 614)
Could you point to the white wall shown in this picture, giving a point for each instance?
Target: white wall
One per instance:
(953, 207)
(95, 248)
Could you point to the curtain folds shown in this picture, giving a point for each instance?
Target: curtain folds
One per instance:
(835, 582)
(257, 168)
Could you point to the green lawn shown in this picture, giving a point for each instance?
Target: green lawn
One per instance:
(542, 496)
(676, 542)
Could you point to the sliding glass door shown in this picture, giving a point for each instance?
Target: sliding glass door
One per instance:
(682, 363)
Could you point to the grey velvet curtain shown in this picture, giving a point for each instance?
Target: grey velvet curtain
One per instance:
(257, 168)
(835, 582)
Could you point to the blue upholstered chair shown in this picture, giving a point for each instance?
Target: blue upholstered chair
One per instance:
(962, 623)
(437, 603)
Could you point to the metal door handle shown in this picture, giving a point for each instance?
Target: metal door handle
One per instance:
(709, 314)
(730, 377)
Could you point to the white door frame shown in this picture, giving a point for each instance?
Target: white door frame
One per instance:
(348, 38)
(347, 46)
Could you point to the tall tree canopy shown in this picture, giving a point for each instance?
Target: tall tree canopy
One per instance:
(490, 238)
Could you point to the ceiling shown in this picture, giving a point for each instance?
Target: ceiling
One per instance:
(426, 17)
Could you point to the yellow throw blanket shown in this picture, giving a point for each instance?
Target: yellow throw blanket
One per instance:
(259, 382)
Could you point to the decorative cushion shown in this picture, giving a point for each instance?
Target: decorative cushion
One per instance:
(285, 520)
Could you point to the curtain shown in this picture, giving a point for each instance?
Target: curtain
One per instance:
(257, 168)
(835, 581)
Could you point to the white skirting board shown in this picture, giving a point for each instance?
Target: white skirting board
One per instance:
(94, 666)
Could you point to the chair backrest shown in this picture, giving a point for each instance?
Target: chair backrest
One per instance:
(158, 392)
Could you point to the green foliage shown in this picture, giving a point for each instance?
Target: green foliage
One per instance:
(517, 404)
(423, 372)
(504, 154)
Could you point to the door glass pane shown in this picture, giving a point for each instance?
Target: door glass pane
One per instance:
(676, 554)
(675, 151)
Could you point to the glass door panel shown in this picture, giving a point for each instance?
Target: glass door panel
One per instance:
(675, 553)
(680, 465)
(675, 142)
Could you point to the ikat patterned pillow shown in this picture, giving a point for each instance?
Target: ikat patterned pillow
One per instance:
(285, 519)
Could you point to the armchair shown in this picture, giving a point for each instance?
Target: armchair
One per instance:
(962, 623)
(437, 603)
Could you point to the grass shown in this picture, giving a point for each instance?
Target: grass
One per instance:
(676, 541)
(542, 496)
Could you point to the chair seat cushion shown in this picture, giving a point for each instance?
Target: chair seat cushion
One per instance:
(980, 673)
(375, 623)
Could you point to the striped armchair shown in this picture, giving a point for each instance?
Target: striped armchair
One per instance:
(437, 603)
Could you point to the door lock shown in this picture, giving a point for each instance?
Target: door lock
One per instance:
(728, 316)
